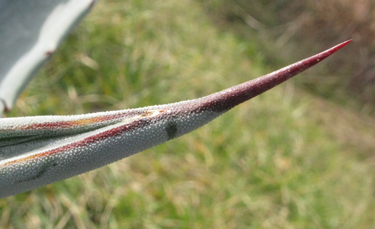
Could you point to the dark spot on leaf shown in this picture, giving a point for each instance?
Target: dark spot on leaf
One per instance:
(171, 130)
(43, 169)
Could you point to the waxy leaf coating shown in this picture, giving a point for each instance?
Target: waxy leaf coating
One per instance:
(36, 151)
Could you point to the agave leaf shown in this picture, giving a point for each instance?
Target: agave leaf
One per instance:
(30, 32)
(36, 151)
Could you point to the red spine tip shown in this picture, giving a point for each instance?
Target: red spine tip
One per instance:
(339, 46)
(233, 96)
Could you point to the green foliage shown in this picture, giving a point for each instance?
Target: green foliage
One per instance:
(269, 163)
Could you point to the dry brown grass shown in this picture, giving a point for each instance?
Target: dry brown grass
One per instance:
(297, 27)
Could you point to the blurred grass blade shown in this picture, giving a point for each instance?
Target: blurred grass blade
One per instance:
(37, 151)
(30, 33)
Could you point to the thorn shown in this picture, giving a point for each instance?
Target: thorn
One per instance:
(229, 98)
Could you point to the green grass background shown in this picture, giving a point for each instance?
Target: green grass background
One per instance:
(285, 159)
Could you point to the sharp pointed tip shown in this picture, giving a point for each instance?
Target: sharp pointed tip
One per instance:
(337, 47)
(235, 95)
(344, 43)
(311, 61)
